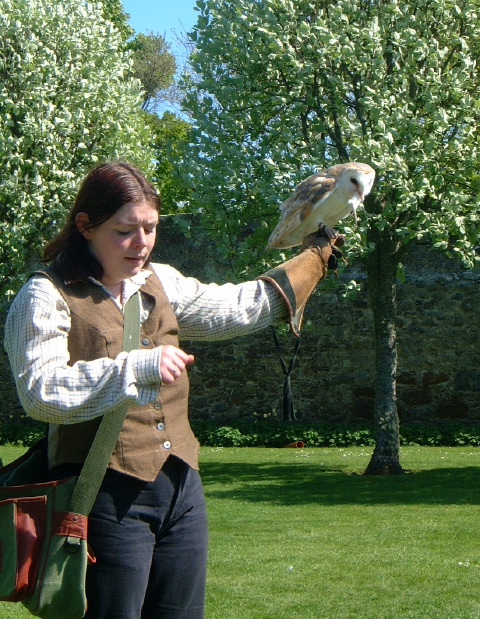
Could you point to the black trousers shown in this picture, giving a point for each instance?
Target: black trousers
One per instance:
(150, 542)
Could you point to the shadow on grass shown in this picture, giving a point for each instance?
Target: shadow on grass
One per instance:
(294, 484)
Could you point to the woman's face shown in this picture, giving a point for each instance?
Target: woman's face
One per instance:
(123, 243)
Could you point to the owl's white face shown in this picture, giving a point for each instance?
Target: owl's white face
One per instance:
(356, 185)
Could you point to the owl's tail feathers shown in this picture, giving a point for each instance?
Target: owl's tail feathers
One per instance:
(296, 279)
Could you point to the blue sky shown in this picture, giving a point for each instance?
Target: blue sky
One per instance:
(161, 16)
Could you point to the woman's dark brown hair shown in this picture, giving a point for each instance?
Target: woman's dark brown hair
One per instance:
(106, 188)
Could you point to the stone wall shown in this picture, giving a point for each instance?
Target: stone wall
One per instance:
(439, 357)
(437, 331)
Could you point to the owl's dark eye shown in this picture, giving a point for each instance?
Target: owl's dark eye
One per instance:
(354, 181)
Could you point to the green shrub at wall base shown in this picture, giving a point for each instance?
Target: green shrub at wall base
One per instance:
(24, 433)
(258, 434)
(267, 434)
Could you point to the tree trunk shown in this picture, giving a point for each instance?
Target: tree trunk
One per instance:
(382, 266)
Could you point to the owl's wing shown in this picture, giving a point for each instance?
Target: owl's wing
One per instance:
(308, 194)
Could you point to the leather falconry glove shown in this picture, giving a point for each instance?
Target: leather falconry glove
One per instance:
(297, 278)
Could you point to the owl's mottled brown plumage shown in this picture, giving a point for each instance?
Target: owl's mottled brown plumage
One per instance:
(323, 198)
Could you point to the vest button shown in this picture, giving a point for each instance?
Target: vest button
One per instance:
(167, 445)
(157, 406)
(145, 341)
(160, 426)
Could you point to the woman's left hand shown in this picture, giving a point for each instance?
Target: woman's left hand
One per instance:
(173, 362)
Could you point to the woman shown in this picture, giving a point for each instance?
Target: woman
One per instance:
(63, 335)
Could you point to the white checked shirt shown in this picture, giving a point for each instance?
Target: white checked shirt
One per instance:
(36, 340)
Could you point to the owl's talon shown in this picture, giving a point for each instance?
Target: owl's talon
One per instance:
(327, 231)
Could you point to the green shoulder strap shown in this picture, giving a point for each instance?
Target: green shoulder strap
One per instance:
(96, 463)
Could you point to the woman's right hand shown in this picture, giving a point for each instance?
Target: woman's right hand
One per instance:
(173, 363)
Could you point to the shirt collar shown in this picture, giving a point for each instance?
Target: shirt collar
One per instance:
(130, 285)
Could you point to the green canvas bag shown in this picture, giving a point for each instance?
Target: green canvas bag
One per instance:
(44, 552)
(43, 545)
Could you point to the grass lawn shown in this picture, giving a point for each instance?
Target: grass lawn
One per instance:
(300, 533)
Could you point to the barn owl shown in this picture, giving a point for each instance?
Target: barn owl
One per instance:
(323, 198)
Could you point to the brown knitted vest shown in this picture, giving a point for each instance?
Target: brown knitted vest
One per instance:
(150, 433)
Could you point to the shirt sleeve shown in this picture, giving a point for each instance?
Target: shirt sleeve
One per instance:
(216, 312)
(50, 390)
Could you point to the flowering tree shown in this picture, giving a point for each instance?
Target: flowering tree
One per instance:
(66, 102)
(284, 88)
